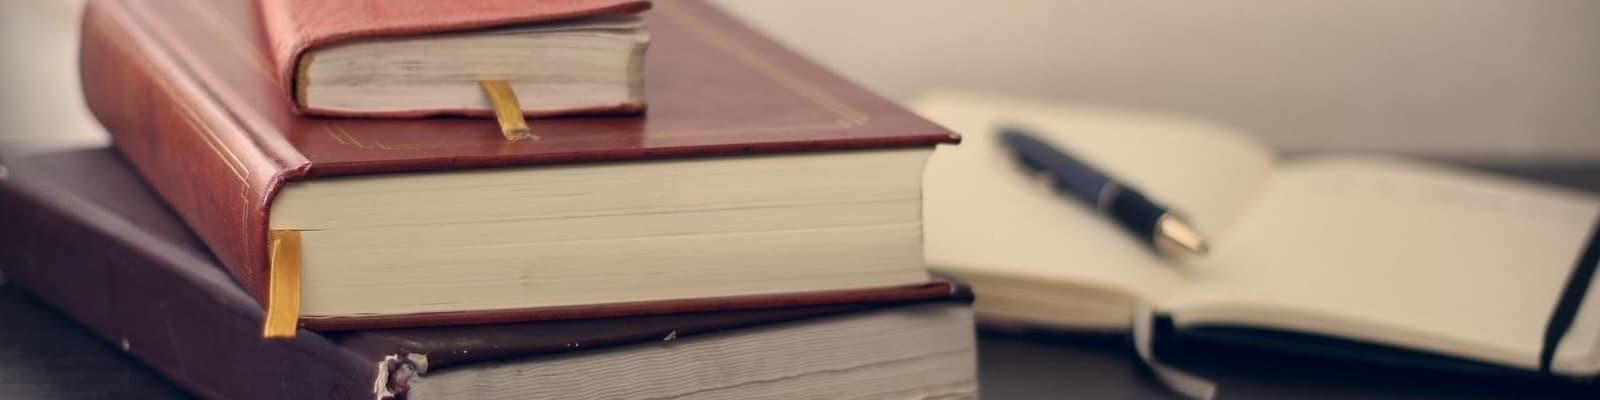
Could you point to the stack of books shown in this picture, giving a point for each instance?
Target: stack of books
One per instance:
(281, 224)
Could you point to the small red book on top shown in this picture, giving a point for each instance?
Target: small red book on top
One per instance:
(424, 46)
(756, 174)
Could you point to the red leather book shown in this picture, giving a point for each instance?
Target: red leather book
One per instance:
(83, 233)
(190, 94)
(296, 27)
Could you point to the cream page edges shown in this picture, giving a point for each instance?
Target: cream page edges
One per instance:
(1435, 258)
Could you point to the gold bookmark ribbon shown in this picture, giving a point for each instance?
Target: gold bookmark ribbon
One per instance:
(283, 286)
(507, 110)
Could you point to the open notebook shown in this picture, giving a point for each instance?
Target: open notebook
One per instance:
(1375, 250)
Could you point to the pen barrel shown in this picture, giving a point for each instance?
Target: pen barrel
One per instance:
(1072, 178)
(1136, 213)
(1065, 174)
(1084, 183)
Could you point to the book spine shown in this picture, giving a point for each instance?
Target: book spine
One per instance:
(216, 176)
(163, 304)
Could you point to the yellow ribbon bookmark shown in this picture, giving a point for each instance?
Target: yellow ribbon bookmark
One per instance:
(507, 110)
(283, 286)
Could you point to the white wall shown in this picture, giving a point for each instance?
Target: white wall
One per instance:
(39, 76)
(1496, 79)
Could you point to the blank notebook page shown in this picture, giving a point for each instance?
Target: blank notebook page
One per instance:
(1401, 253)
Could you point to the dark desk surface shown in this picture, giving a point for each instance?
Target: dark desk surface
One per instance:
(44, 355)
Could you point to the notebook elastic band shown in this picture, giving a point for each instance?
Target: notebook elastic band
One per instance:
(1571, 300)
(1182, 383)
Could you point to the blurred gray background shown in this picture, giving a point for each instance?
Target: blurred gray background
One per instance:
(1458, 79)
(1484, 80)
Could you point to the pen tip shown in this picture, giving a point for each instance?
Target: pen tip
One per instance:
(1175, 234)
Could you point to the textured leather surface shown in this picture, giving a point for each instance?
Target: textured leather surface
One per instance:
(444, 345)
(295, 27)
(938, 287)
(189, 93)
(83, 233)
(186, 146)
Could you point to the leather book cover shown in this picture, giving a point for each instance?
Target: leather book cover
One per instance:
(190, 94)
(86, 236)
(294, 27)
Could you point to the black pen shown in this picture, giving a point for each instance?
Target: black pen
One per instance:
(1167, 232)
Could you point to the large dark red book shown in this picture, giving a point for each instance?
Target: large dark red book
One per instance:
(755, 175)
(85, 235)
